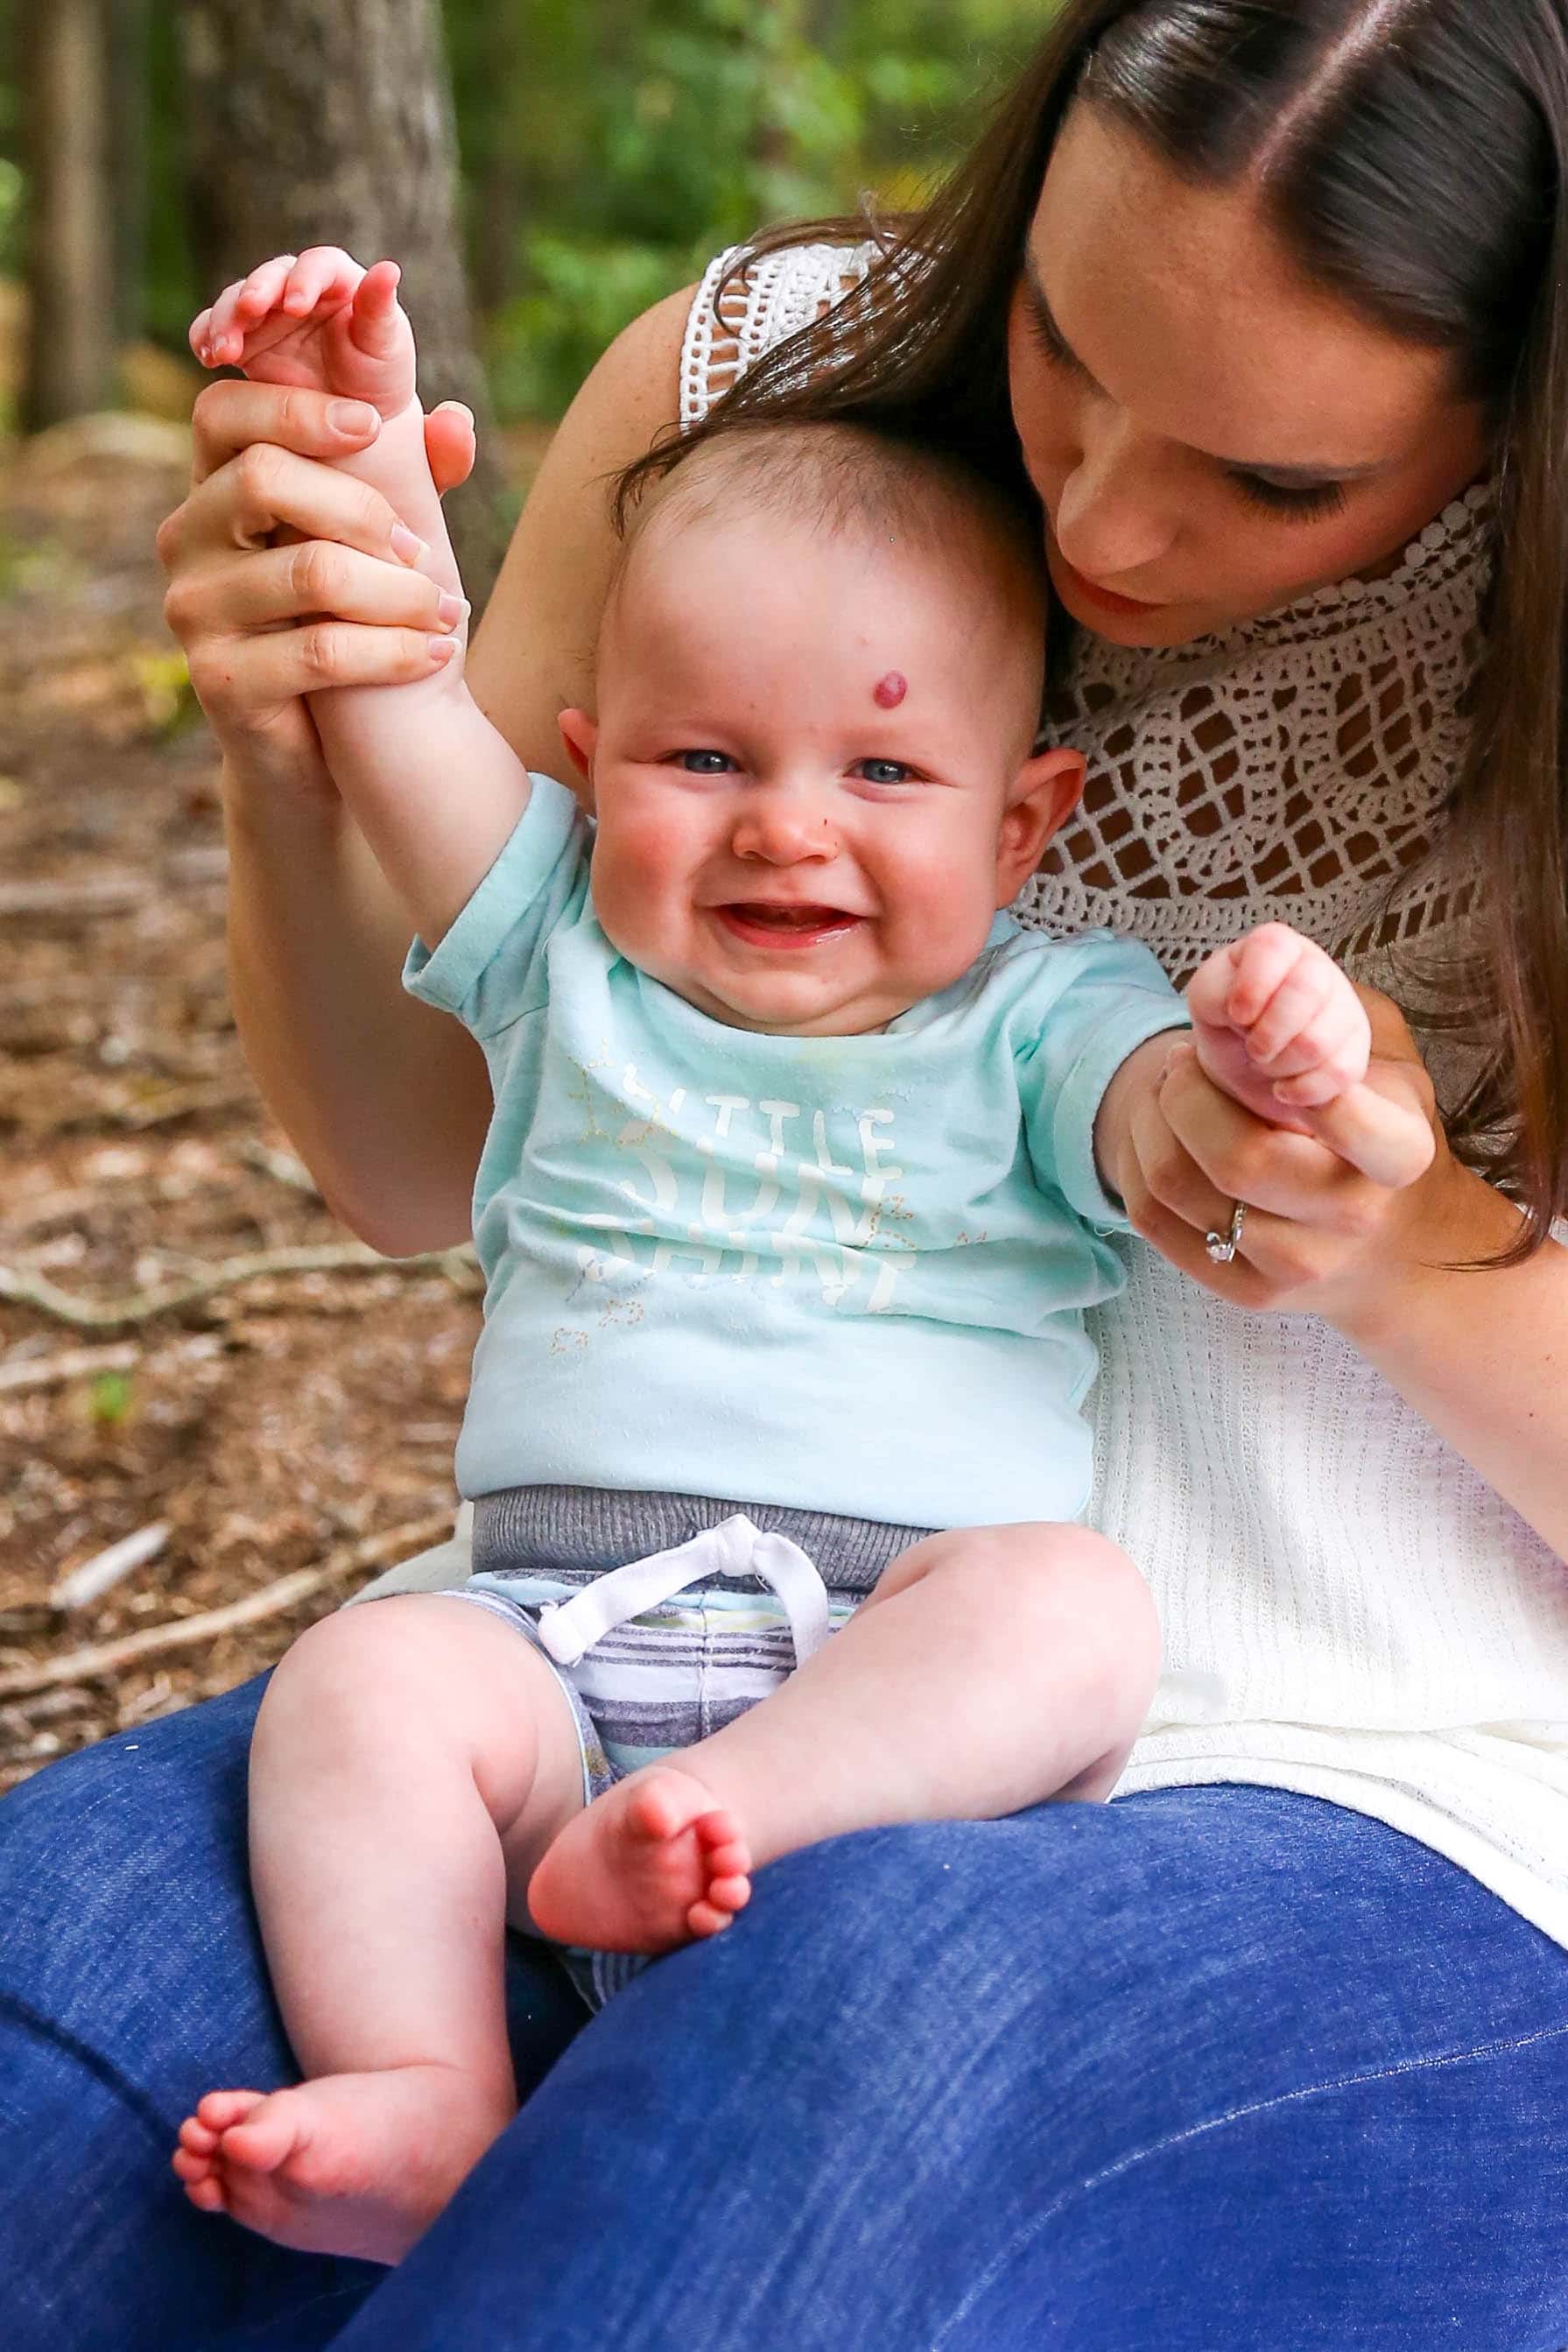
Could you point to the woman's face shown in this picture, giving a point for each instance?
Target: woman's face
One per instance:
(1211, 435)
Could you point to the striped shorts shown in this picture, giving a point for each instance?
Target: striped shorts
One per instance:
(686, 1664)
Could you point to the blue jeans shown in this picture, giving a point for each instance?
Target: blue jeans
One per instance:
(1207, 2071)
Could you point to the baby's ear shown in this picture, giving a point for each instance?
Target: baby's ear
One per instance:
(1048, 789)
(579, 733)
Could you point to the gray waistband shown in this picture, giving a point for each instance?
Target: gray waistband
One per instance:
(583, 1531)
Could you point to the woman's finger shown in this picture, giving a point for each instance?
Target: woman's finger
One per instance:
(235, 416)
(1288, 1175)
(1168, 1174)
(1184, 1247)
(311, 577)
(267, 489)
(244, 681)
(1385, 1135)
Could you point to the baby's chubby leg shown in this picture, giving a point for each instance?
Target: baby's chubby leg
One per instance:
(411, 1761)
(991, 1668)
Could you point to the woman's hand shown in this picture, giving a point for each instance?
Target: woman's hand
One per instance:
(1322, 1235)
(286, 576)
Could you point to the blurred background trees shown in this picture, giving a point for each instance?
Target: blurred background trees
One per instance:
(592, 154)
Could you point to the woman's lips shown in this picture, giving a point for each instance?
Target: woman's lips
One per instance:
(1105, 599)
(762, 925)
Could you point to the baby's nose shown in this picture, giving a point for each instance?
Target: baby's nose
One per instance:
(784, 828)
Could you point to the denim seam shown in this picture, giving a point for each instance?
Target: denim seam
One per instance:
(1216, 2123)
(96, 2066)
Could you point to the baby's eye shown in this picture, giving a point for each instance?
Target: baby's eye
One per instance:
(705, 763)
(884, 771)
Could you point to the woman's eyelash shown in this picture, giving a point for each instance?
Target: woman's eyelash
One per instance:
(1305, 505)
(1043, 329)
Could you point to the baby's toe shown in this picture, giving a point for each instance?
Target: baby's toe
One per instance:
(219, 2110)
(729, 1894)
(706, 1919)
(730, 1860)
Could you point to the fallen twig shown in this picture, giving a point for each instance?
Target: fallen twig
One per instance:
(70, 1364)
(188, 1633)
(282, 1166)
(106, 1569)
(89, 894)
(26, 1290)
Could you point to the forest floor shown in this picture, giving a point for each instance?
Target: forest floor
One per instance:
(286, 1430)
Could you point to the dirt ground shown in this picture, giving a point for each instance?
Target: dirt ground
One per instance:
(289, 1433)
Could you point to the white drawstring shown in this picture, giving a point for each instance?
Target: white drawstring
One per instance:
(569, 1629)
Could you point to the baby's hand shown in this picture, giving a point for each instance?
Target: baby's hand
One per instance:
(316, 320)
(1278, 1025)
(1279, 1028)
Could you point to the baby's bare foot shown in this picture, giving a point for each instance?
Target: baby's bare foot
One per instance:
(651, 1864)
(350, 2164)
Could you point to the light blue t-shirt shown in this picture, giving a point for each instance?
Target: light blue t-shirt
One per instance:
(846, 1274)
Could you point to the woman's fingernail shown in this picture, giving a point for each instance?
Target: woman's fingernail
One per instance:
(442, 648)
(450, 610)
(353, 416)
(405, 547)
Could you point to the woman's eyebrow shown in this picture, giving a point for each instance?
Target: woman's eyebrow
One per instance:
(1285, 477)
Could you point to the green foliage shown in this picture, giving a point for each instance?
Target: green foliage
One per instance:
(111, 1399)
(609, 146)
(612, 148)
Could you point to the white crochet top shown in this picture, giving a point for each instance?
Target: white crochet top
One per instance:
(1349, 1611)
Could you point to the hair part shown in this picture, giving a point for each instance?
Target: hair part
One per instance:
(1412, 156)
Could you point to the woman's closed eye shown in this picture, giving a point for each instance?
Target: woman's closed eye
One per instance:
(1305, 501)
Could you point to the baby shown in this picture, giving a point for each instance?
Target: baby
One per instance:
(795, 1192)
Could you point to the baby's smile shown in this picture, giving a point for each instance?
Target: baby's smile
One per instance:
(783, 926)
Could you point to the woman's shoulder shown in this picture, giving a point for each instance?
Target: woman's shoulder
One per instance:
(748, 301)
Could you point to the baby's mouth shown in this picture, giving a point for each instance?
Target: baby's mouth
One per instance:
(764, 922)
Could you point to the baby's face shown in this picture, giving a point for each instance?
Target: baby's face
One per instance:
(785, 838)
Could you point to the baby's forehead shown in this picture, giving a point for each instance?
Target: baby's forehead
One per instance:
(690, 550)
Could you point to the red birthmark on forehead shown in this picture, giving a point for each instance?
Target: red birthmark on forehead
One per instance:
(891, 690)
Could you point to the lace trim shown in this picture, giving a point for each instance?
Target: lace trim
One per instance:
(735, 318)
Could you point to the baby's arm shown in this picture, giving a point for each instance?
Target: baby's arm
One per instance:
(1281, 1028)
(432, 785)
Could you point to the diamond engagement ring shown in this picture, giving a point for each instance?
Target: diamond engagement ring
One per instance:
(1222, 1248)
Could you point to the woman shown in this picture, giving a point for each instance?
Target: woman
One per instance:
(1265, 303)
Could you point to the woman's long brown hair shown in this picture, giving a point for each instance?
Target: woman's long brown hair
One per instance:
(1413, 154)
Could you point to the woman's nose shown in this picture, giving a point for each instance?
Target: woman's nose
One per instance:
(1112, 518)
(784, 827)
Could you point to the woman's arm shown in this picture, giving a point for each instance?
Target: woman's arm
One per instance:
(386, 1101)
(1482, 1357)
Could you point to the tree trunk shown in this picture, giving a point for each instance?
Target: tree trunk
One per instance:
(498, 200)
(329, 122)
(130, 29)
(71, 338)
